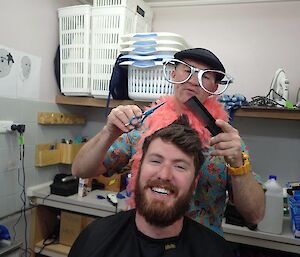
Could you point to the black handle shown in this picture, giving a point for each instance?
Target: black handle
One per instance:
(200, 111)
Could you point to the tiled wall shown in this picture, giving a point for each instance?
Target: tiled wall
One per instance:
(25, 112)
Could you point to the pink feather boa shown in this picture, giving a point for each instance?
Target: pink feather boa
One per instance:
(165, 115)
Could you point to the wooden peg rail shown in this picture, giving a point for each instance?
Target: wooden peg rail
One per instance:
(60, 118)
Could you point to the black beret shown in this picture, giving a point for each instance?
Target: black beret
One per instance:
(202, 55)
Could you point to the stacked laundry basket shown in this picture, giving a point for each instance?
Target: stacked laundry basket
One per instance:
(90, 38)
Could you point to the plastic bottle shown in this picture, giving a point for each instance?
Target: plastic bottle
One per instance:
(84, 186)
(273, 219)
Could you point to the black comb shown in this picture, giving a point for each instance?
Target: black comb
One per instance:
(201, 112)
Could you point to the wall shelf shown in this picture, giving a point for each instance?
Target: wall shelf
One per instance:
(252, 112)
(94, 102)
(269, 113)
(53, 250)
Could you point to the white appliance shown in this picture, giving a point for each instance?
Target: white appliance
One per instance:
(279, 90)
(298, 98)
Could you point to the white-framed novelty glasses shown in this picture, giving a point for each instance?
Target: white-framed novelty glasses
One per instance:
(214, 82)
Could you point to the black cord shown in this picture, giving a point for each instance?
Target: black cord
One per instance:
(116, 208)
(22, 183)
(272, 90)
(25, 200)
(52, 237)
(44, 198)
(47, 241)
(265, 100)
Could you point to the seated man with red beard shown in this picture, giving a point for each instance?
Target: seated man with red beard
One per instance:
(171, 158)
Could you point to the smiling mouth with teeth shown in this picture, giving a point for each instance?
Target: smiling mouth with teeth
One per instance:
(160, 190)
(162, 187)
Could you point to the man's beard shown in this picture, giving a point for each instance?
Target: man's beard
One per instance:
(156, 212)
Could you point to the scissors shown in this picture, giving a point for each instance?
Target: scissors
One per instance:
(140, 119)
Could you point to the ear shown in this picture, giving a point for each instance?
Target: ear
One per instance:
(173, 74)
(196, 181)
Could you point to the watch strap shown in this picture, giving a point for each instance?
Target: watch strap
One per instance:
(242, 170)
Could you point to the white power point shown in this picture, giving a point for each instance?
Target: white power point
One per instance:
(5, 126)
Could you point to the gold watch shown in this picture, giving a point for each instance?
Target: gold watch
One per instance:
(244, 169)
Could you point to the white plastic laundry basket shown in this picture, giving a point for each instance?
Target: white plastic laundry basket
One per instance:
(109, 23)
(148, 84)
(74, 38)
(124, 3)
(136, 6)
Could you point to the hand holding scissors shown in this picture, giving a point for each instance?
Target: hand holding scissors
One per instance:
(136, 120)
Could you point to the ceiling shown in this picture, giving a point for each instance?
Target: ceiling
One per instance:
(205, 2)
(168, 3)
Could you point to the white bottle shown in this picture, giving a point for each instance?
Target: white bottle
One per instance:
(84, 187)
(273, 219)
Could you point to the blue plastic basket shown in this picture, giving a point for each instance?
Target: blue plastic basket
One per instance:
(294, 204)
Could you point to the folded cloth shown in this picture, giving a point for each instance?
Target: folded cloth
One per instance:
(232, 103)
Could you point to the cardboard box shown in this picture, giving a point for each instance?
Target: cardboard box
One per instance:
(71, 224)
(114, 183)
(46, 154)
(68, 152)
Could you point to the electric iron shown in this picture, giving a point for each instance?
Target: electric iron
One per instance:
(279, 91)
(298, 99)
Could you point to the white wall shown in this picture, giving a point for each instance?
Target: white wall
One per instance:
(252, 40)
(32, 26)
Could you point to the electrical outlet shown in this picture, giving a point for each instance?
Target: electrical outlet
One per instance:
(5, 126)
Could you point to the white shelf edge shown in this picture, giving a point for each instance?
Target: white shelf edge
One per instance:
(32, 189)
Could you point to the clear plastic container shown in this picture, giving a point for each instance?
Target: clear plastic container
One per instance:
(273, 219)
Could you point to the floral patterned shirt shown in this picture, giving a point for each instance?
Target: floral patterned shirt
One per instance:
(208, 203)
